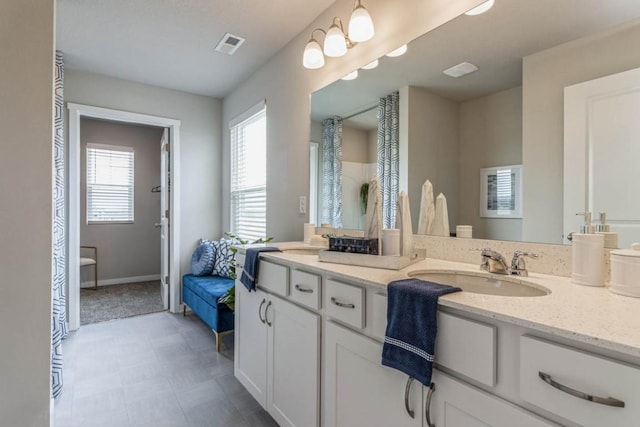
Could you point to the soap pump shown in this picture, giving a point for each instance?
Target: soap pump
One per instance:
(587, 255)
(603, 227)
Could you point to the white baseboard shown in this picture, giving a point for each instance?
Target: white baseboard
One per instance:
(121, 280)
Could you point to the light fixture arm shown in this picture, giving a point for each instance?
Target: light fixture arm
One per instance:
(338, 22)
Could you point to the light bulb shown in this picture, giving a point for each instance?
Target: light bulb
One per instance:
(399, 51)
(313, 58)
(481, 8)
(371, 65)
(351, 76)
(334, 42)
(360, 25)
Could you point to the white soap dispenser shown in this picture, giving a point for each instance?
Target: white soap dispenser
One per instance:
(587, 255)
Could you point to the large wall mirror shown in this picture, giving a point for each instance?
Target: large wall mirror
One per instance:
(508, 112)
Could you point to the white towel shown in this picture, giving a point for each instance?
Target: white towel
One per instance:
(373, 220)
(441, 220)
(427, 209)
(403, 222)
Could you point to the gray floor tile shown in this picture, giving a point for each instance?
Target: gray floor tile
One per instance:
(259, 418)
(229, 384)
(220, 413)
(155, 408)
(95, 406)
(244, 402)
(208, 391)
(96, 384)
(146, 388)
(136, 374)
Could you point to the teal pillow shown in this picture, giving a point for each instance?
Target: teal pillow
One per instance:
(203, 259)
(224, 257)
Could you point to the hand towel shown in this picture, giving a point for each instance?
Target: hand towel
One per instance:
(251, 261)
(441, 220)
(410, 338)
(403, 222)
(373, 220)
(427, 209)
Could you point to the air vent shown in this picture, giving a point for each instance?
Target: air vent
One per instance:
(460, 70)
(229, 44)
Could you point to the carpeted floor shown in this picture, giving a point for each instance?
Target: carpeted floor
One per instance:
(118, 301)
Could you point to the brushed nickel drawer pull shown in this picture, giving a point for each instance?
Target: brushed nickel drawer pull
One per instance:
(342, 304)
(609, 401)
(260, 310)
(427, 405)
(265, 313)
(407, 389)
(305, 290)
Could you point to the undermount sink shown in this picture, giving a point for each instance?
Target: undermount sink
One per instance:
(479, 283)
(302, 251)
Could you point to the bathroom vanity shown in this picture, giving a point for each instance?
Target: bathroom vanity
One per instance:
(308, 345)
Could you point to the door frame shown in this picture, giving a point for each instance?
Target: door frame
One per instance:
(76, 112)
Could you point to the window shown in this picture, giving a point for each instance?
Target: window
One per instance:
(249, 174)
(109, 184)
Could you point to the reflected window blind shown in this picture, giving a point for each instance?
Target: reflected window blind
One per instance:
(249, 177)
(110, 171)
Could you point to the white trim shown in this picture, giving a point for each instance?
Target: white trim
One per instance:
(76, 112)
(120, 281)
(111, 147)
(248, 114)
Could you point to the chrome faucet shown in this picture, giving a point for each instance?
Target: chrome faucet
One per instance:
(494, 262)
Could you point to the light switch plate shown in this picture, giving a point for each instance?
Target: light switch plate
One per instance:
(302, 205)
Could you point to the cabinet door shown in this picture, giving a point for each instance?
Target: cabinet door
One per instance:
(456, 404)
(293, 364)
(358, 390)
(250, 360)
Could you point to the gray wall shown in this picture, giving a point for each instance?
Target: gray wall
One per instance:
(372, 142)
(26, 120)
(355, 146)
(490, 135)
(125, 250)
(200, 152)
(431, 129)
(545, 74)
(286, 86)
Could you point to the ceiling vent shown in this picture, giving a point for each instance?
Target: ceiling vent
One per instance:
(229, 44)
(460, 70)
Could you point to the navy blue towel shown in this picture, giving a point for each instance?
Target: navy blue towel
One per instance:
(250, 271)
(411, 326)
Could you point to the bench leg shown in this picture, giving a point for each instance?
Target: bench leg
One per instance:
(219, 336)
(184, 310)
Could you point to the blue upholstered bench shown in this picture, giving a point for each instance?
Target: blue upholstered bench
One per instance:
(201, 294)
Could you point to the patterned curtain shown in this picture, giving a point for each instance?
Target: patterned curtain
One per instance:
(59, 303)
(388, 156)
(332, 171)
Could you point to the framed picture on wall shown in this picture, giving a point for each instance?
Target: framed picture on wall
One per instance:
(501, 192)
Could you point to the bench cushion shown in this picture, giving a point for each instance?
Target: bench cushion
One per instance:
(209, 288)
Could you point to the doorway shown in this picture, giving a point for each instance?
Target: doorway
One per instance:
(170, 214)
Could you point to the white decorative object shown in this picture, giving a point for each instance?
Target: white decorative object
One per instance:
(391, 241)
(441, 220)
(427, 209)
(625, 271)
(501, 192)
(309, 230)
(373, 221)
(403, 223)
(587, 259)
(464, 231)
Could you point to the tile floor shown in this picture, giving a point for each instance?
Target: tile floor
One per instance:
(154, 370)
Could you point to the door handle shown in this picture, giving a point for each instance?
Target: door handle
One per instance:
(407, 389)
(609, 401)
(305, 290)
(427, 405)
(260, 310)
(157, 225)
(265, 314)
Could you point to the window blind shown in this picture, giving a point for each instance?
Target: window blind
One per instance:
(110, 172)
(249, 177)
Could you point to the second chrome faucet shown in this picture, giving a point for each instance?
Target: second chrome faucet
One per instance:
(494, 262)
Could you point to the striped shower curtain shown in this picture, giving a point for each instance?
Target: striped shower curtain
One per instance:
(389, 156)
(59, 304)
(332, 171)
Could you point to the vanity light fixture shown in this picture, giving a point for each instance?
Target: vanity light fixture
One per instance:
(398, 52)
(351, 76)
(481, 8)
(371, 65)
(336, 42)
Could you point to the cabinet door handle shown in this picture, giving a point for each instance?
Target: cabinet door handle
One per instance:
(342, 304)
(266, 319)
(305, 290)
(609, 401)
(260, 310)
(407, 389)
(427, 405)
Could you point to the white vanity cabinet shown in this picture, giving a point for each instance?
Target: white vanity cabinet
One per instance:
(277, 351)
(358, 390)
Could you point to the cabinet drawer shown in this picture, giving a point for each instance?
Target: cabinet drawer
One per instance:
(305, 289)
(467, 347)
(274, 278)
(345, 303)
(581, 373)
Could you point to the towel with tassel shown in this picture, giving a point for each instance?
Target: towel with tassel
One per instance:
(249, 276)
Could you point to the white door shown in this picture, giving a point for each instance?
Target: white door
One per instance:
(164, 216)
(250, 359)
(293, 364)
(602, 129)
(359, 391)
(456, 404)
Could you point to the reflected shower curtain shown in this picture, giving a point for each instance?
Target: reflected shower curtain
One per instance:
(332, 171)
(59, 304)
(389, 156)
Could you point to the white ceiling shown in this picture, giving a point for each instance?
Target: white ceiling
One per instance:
(170, 43)
(495, 41)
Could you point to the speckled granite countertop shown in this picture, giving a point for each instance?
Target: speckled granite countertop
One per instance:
(591, 315)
